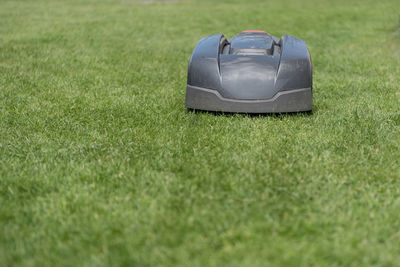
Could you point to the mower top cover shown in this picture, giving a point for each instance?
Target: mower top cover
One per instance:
(254, 72)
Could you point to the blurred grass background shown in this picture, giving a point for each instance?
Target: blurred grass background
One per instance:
(101, 164)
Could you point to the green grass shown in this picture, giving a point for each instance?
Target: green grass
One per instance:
(101, 164)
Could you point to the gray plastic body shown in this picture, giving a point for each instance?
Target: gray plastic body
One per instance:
(253, 72)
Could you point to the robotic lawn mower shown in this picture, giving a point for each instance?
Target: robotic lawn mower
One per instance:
(254, 72)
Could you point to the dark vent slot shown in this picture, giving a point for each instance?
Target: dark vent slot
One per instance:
(226, 48)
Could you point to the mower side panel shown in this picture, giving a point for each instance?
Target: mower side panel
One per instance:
(295, 69)
(203, 68)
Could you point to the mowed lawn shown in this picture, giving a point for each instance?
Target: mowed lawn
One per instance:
(101, 163)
